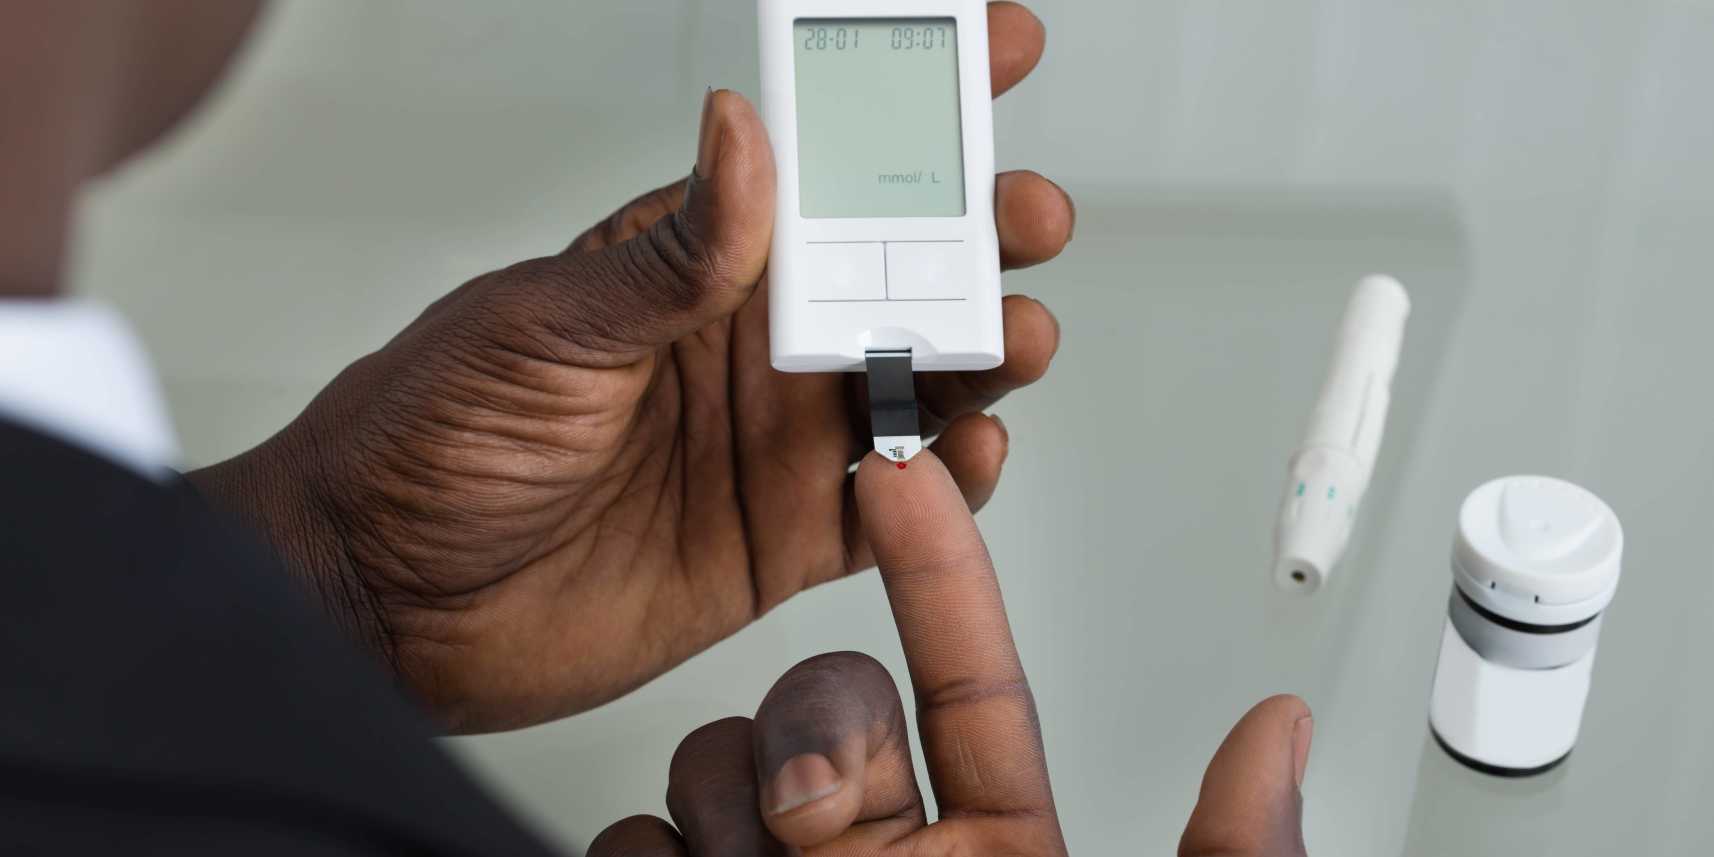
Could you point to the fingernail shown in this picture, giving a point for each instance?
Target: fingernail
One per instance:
(708, 137)
(1301, 736)
(801, 781)
(1071, 232)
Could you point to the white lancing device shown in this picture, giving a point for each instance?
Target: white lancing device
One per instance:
(884, 240)
(1330, 472)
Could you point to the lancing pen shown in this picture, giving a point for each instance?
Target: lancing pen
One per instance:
(1330, 471)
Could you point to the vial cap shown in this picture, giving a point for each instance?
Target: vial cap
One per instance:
(1541, 540)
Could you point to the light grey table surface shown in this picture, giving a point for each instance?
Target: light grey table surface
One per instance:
(352, 173)
(1132, 531)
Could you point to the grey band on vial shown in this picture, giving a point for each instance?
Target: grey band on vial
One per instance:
(1514, 644)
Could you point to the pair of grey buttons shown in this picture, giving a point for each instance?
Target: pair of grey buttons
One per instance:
(881, 271)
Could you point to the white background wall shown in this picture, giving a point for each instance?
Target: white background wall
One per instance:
(368, 157)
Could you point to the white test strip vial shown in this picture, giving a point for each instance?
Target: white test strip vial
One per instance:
(1535, 563)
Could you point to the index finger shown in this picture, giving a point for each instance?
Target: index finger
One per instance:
(980, 737)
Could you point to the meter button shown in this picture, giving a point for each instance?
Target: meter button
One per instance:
(925, 271)
(846, 272)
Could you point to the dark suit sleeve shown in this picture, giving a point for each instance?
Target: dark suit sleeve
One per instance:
(165, 689)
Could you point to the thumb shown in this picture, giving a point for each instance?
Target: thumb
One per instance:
(684, 271)
(1250, 805)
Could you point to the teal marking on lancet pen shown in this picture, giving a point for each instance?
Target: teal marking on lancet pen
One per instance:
(1300, 489)
(1330, 490)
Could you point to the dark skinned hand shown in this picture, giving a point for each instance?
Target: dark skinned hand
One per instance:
(572, 474)
(825, 768)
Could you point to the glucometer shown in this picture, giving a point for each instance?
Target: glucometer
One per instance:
(884, 257)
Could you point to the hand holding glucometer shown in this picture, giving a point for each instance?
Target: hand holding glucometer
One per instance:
(595, 441)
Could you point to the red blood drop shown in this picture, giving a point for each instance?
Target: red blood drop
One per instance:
(902, 465)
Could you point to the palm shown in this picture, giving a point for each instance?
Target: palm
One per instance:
(578, 529)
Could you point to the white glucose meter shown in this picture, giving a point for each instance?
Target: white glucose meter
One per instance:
(884, 245)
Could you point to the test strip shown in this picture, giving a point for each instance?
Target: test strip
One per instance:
(893, 405)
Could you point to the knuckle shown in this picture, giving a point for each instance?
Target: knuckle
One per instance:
(968, 692)
(710, 737)
(831, 681)
(632, 837)
(687, 263)
(1004, 835)
(527, 309)
(629, 220)
(652, 206)
(609, 231)
(1223, 849)
(827, 701)
(841, 667)
(708, 761)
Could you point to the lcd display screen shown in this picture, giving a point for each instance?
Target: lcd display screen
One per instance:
(879, 128)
